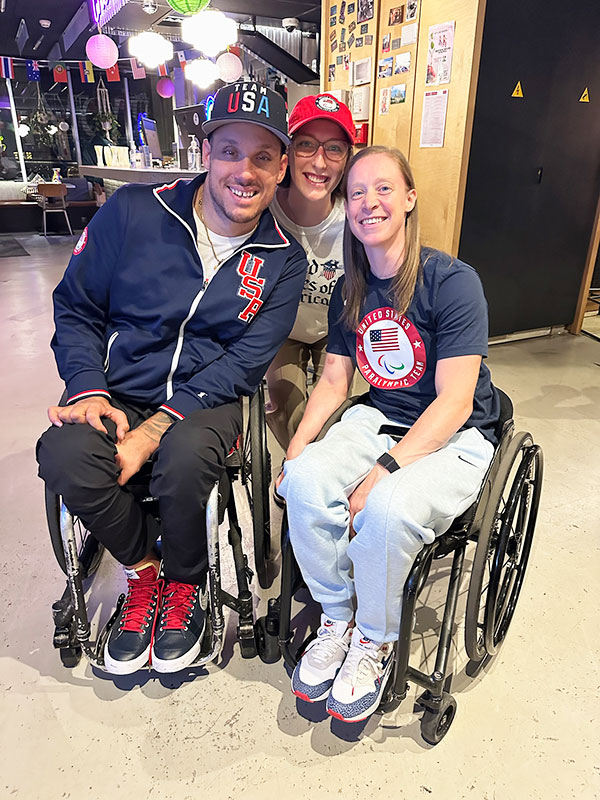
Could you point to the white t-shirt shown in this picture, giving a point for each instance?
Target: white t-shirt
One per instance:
(323, 246)
(224, 247)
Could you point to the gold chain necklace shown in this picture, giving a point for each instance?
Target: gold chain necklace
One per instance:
(201, 215)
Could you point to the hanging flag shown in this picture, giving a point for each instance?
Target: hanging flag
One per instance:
(137, 69)
(60, 73)
(163, 71)
(6, 67)
(112, 73)
(33, 70)
(86, 70)
(182, 58)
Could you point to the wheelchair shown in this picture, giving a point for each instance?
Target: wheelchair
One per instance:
(79, 554)
(500, 524)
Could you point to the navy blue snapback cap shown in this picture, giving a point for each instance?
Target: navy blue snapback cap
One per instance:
(249, 101)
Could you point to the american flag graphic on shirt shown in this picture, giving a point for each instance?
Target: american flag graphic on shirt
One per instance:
(384, 339)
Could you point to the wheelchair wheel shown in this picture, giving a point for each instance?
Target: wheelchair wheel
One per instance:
(435, 724)
(70, 656)
(89, 549)
(503, 547)
(257, 478)
(267, 644)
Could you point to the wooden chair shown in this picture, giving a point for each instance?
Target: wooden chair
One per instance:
(51, 199)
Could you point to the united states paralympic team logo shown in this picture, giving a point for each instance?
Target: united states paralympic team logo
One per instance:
(389, 350)
(81, 243)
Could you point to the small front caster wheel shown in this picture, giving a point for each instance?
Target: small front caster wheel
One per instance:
(266, 643)
(247, 641)
(435, 724)
(70, 656)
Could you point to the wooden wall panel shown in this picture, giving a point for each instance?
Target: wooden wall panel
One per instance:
(393, 128)
(440, 173)
(344, 35)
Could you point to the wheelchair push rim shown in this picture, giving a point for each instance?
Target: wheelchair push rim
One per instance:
(89, 549)
(256, 476)
(503, 547)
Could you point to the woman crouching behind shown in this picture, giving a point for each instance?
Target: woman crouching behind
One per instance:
(414, 322)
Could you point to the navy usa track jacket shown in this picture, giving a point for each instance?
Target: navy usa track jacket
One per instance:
(134, 318)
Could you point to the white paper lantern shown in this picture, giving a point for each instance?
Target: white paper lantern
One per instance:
(210, 31)
(63, 126)
(23, 130)
(201, 72)
(102, 51)
(230, 67)
(150, 48)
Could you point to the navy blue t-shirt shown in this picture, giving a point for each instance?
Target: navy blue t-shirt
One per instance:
(397, 353)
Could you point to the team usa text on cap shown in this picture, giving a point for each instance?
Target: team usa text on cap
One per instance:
(253, 98)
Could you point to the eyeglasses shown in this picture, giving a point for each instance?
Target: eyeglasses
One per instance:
(333, 149)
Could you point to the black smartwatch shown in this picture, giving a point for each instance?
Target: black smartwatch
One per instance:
(388, 462)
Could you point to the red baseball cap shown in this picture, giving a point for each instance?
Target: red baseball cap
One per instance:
(321, 106)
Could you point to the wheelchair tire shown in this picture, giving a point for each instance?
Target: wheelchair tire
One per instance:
(503, 547)
(257, 479)
(89, 549)
(435, 724)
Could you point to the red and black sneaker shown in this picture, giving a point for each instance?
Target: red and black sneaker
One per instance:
(180, 628)
(128, 646)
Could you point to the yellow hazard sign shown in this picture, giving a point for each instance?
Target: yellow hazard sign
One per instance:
(518, 90)
(585, 97)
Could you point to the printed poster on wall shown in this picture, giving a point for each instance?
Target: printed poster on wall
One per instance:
(384, 101)
(433, 121)
(439, 53)
(409, 34)
(412, 6)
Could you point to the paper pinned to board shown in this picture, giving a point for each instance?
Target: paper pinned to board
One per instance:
(433, 121)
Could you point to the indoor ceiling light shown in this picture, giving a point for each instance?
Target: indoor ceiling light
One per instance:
(45, 23)
(210, 31)
(151, 48)
(201, 72)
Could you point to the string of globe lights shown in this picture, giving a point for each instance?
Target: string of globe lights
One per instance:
(208, 30)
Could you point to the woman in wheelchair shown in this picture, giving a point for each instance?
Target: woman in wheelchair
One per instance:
(396, 470)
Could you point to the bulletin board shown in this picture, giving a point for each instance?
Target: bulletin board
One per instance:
(349, 39)
(400, 90)
(441, 172)
(395, 72)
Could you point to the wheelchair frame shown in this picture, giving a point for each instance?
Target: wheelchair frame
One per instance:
(72, 634)
(500, 549)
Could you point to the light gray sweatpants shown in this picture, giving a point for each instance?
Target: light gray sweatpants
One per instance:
(404, 511)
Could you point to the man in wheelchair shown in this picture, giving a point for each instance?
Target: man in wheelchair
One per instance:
(399, 467)
(175, 301)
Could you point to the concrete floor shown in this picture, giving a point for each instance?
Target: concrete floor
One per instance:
(527, 728)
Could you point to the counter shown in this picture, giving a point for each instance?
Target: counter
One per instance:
(142, 175)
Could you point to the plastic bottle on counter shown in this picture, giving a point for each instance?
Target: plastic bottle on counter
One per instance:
(132, 156)
(193, 154)
(147, 156)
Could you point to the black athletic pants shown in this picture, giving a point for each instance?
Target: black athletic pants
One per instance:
(78, 462)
